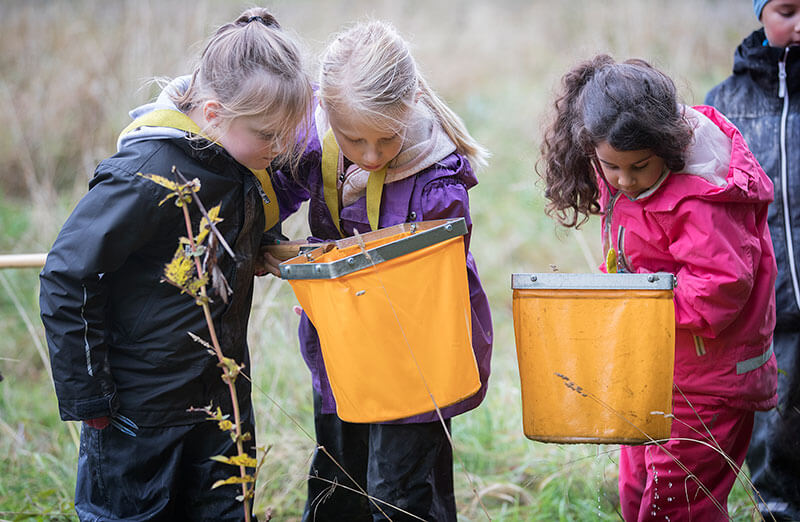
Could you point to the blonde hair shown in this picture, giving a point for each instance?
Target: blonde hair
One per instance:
(254, 68)
(368, 69)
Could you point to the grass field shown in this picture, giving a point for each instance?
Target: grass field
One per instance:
(69, 71)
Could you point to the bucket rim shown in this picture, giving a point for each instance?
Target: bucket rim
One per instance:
(423, 235)
(563, 281)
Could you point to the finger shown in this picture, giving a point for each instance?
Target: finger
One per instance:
(270, 259)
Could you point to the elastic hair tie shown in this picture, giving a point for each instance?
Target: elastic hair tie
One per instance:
(257, 19)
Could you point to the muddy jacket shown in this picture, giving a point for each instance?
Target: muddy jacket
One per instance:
(708, 226)
(762, 98)
(435, 192)
(118, 336)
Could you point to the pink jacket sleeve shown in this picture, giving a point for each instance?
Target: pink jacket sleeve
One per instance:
(716, 249)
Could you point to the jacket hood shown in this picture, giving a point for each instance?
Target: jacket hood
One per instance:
(719, 166)
(709, 154)
(164, 101)
(760, 62)
(426, 144)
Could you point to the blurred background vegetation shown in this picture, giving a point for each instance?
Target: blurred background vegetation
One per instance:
(70, 71)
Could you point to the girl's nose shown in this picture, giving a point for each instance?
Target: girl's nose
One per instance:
(625, 180)
(372, 155)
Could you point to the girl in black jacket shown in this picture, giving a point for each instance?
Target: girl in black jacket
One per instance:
(122, 359)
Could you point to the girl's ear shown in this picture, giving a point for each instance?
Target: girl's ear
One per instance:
(212, 112)
(417, 95)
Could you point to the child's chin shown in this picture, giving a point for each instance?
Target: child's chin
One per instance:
(261, 165)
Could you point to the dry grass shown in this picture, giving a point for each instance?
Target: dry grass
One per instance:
(70, 71)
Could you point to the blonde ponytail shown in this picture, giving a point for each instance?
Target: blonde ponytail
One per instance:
(453, 125)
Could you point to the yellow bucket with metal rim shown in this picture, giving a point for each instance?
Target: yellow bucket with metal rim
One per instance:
(596, 355)
(392, 311)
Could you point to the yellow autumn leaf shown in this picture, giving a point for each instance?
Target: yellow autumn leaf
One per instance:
(166, 183)
(193, 287)
(183, 192)
(243, 460)
(220, 458)
(168, 197)
(179, 271)
(236, 460)
(199, 300)
(204, 227)
(233, 480)
(161, 180)
(216, 414)
(202, 234)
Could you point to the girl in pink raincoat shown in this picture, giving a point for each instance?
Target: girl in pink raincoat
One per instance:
(679, 192)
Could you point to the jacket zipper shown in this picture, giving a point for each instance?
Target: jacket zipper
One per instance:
(86, 348)
(619, 245)
(699, 345)
(623, 266)
(787, 225)
(609, 218)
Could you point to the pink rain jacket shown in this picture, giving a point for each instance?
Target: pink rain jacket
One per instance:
(708, 226)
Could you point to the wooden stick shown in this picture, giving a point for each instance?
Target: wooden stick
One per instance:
(22, 260)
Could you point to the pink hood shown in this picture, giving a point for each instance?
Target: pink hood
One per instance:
(708, 226)
(719, 167)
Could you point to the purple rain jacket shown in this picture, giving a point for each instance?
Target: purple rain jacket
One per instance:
(436, 192)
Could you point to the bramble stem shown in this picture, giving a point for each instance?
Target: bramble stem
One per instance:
(220, 357)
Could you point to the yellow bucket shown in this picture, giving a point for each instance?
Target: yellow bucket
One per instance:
(596, 354)
(392, 311)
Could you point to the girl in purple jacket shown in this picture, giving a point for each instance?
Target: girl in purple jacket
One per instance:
(679, 192)
(376, 107)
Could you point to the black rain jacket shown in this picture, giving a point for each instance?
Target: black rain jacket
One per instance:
(117, 335)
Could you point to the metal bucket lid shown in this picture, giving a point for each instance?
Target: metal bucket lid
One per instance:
(423, 234)
(655, 281)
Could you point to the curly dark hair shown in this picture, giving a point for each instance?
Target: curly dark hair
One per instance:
(630, 105)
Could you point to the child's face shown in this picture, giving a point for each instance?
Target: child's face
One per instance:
(631, 171)
(368, 144)
(251, 141)
(781, 19)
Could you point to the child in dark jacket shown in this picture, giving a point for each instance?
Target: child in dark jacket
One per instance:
(376, 108)
(762, 98)
(122, 359)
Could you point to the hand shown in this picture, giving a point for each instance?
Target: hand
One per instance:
(98, 423)
(266, 263)
(270, 256)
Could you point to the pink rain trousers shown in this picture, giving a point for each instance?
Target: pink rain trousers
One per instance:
(653, 486)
